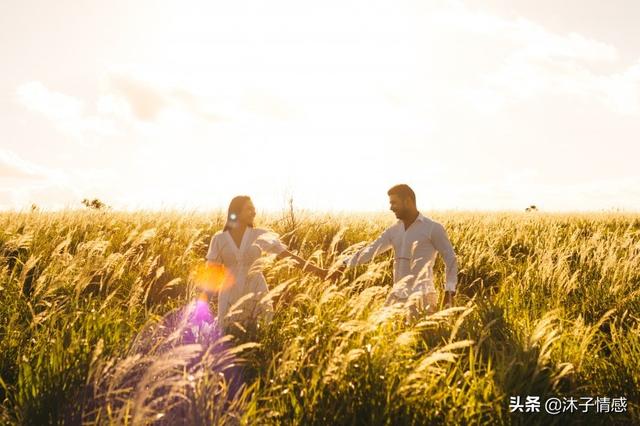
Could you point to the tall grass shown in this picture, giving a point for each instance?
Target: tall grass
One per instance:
(90, 329)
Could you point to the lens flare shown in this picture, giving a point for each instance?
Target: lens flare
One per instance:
(201, 313)
(212, 277)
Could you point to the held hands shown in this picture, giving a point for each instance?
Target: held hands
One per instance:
(324, 273)
(448, 299)
(315, 270)
(320, 272)
(337, 274)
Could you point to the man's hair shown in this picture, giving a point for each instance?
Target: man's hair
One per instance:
(403, 191)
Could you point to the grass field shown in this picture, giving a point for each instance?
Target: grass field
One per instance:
(547, 305)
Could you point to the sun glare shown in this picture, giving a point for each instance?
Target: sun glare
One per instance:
(212, 277)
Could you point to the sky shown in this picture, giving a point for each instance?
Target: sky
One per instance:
(478, 105)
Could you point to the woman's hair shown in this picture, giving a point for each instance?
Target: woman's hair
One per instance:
(235, 207)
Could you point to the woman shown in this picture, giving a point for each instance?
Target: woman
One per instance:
(235, 250)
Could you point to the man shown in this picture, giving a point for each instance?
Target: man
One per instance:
(415, 240)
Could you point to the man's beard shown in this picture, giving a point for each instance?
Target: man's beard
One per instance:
(402, 214)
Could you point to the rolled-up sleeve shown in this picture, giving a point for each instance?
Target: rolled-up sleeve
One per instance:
(441, 242)
(379, 246)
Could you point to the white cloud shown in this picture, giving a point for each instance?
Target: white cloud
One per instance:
(346, 95)
(23, 183)
(14, 167)
(65, 112)
(51, 196)
(621, 91)
(134, 94)
(528, 38)
(533, 61)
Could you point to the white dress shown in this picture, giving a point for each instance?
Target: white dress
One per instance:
(244, 279)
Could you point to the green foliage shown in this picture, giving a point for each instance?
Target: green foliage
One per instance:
(547, 305)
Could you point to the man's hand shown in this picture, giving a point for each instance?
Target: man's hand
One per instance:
(448, 298)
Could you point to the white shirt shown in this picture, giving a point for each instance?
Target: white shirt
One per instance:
(415, 252)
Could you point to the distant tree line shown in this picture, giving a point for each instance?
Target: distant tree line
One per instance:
(94, 204)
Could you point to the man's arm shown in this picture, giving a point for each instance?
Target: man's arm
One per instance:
(441, 242)
(366, 254)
